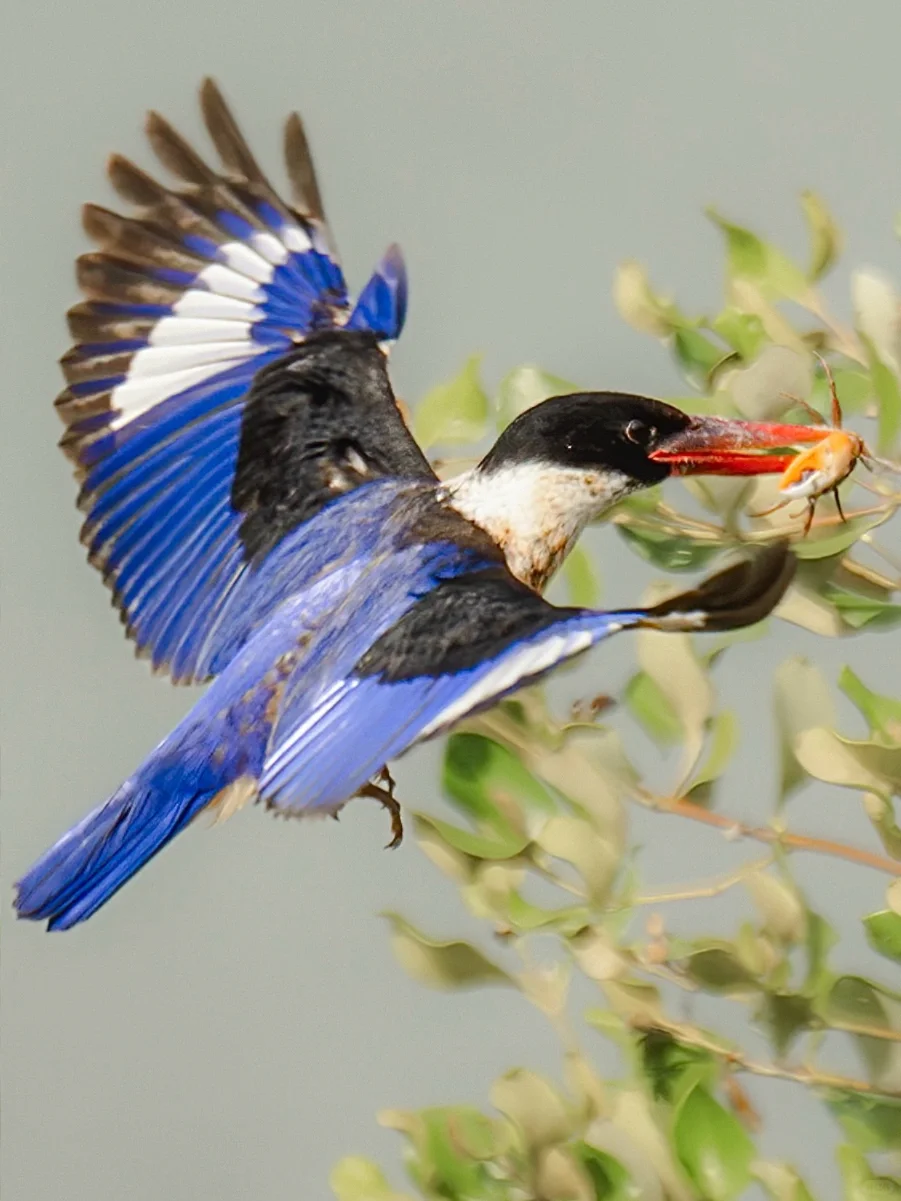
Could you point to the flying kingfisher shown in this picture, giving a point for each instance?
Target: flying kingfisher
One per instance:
(266, 521)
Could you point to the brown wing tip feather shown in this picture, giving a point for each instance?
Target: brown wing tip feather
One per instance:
(301, 172)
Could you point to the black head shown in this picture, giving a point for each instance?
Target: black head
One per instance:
(600, 431)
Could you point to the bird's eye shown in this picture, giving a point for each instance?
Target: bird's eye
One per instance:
(640, 433)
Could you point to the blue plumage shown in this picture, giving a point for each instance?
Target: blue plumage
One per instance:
(266, 521)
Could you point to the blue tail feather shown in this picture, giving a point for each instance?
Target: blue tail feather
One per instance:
(90, 863)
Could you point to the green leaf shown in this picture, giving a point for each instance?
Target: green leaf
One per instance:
(652, 710)
(449, 1146)
(825, 236)
(802, 702)
(888, 396)
(669, 1064)
(357, 1179)
(871, 1124)
(858, 611)
(856, 1002)
(696, 354)
(534, 1106)
(612, 1182)
(497, 844)
(884, 933)
(882, 713)
(712, 1146)
(786, 1015)
(719, 969)
(821, 938)
(490, 784)
(526, 386)
(743, 331)
(582, 579)
(750, 258)
(441, 965)
(669, 551)
(834, 540)
(453, 412)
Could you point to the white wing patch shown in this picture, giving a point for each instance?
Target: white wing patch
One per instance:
(528, 661)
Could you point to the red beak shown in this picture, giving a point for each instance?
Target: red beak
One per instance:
(717, 446)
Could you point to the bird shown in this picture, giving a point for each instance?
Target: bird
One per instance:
(268, 525)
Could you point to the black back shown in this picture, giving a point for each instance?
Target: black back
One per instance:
(319, 422)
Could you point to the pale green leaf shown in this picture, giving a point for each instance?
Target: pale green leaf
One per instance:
(671, 662)
(453, 412)
(802, 702)
(560, 1176)
(357, 1179)
(582, 580)
(575, 841)
(639, 305)
(721, 748)
(782, 911)
(888, 398)
(534, 1106)
(825, 236)
(438, 964)
(764, 389)
(652, 710)
(526, 386)
(781, 1181)
(826, 756)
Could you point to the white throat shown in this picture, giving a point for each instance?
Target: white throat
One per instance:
(535, 511)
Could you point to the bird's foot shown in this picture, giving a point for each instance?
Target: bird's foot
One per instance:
(384, 794)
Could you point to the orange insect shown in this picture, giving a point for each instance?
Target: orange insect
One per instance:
(821, 468)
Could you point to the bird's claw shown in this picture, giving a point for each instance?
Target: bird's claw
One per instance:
(384, 794)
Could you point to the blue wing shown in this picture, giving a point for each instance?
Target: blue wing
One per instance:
(187, 302)
(464, 645)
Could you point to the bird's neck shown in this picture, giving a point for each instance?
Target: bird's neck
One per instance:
(534, 512)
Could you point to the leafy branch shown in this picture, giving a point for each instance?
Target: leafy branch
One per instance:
(540, 852)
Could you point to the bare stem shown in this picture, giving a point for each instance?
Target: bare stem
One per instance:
(766, 834)
(704, 891)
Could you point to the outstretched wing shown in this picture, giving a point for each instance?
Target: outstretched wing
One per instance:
(462, 647)
(191, 305)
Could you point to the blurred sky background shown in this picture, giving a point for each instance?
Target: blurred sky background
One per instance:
(228, 1027)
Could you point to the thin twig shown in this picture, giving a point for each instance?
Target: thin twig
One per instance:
(766, 834)
(705, 891)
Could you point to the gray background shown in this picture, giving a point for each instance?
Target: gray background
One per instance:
(229, 1026)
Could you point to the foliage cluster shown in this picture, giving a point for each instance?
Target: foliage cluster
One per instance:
(540, 851)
